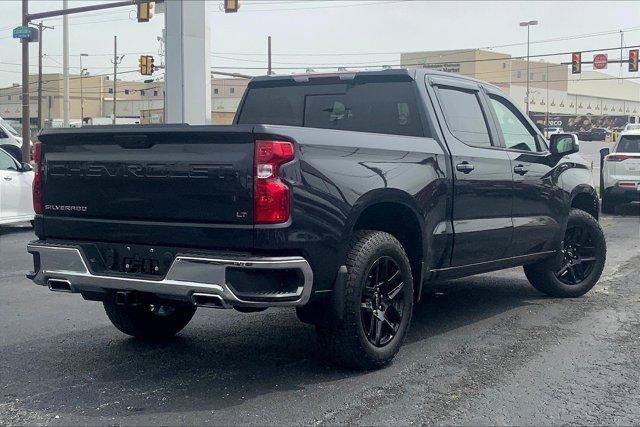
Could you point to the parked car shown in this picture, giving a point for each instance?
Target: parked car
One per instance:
(16, 203)
(595, 134)
(620, 172)
(342, 195)
(10, 141)
(632, 126)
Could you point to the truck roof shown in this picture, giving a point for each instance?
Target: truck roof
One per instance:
(411, 73)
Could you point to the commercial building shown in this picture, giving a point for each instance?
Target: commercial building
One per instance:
(138, 101)
(573, 101)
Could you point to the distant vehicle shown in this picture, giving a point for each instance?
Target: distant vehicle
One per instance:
(10, 140)
(16, 202)
(632, 126)
(620, 172)
(552, 131)
(595, 134)
(337, 194)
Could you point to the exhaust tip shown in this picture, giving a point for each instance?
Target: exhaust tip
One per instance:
(59, 285)
(208, 300)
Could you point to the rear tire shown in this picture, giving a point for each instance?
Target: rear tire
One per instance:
(378, 303)
(148, 321)
(584, 253)
(608, 204)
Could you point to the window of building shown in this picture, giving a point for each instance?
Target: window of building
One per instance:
(516, 133)
(464, 116)
(9, 98)
(142, 92)
(155, 93)
(126, 91)
(215, 91)
(232, 90)
(518, 75)
(110, 90)
(544, 77)
(530, 76)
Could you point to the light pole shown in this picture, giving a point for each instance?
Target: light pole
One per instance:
(528, 24)
(82, 70)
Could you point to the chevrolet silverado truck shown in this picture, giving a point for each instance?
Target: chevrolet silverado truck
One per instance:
(342, 195)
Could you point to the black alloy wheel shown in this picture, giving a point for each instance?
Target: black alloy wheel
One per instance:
(382, 301)
(579, 255)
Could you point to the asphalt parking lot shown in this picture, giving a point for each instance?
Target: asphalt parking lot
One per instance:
(487, 349)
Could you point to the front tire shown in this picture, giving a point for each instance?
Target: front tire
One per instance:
(378, 303)
(149, 321)
(584, 252)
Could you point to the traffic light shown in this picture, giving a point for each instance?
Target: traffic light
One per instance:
(576, 62)
(231, 6)
(145, 10)
(633, 60)
(146, 65)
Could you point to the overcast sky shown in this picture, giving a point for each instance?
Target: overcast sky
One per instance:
(329, 33)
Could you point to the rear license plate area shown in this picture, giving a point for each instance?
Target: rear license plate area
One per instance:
(135, 260)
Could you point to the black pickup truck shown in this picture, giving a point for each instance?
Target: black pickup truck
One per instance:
(342, 195)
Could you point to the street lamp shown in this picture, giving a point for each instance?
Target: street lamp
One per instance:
(528, 24)
(82, 70)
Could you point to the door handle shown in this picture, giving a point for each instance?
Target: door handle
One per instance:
(464, 167)
(520, 169)
(7, 178)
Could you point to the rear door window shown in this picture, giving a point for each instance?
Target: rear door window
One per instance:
(464, 116)
(379, 107)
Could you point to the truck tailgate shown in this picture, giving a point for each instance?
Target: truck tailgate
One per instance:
(182, 183)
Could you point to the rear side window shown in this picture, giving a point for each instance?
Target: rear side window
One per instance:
(377, 107)
(629, 144)
(464, 116)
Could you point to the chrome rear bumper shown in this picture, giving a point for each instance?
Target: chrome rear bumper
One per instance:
(65, 268)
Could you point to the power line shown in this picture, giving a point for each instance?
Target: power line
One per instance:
(369, 64)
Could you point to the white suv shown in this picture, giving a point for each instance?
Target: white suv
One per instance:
(9, 140)
(620, 181)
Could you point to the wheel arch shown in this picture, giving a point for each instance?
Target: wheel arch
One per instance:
(394, 212)
(585, 198)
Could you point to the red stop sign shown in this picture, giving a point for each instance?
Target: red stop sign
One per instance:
(600, 61)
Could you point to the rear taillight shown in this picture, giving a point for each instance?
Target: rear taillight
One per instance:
(617, 157)
(271, 196)
(37, 178)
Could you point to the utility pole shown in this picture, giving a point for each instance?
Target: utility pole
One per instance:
(269, 55)
(65, 65)
(41, 29)
(26, 139)
(528, 24)
(115, 62)
(621, 51)
(547, 114)
(81, 93)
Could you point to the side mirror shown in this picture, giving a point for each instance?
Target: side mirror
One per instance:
(26, 167)
(564, 143)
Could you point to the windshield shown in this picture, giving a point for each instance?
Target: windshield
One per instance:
(8, 127)
(629, 144)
